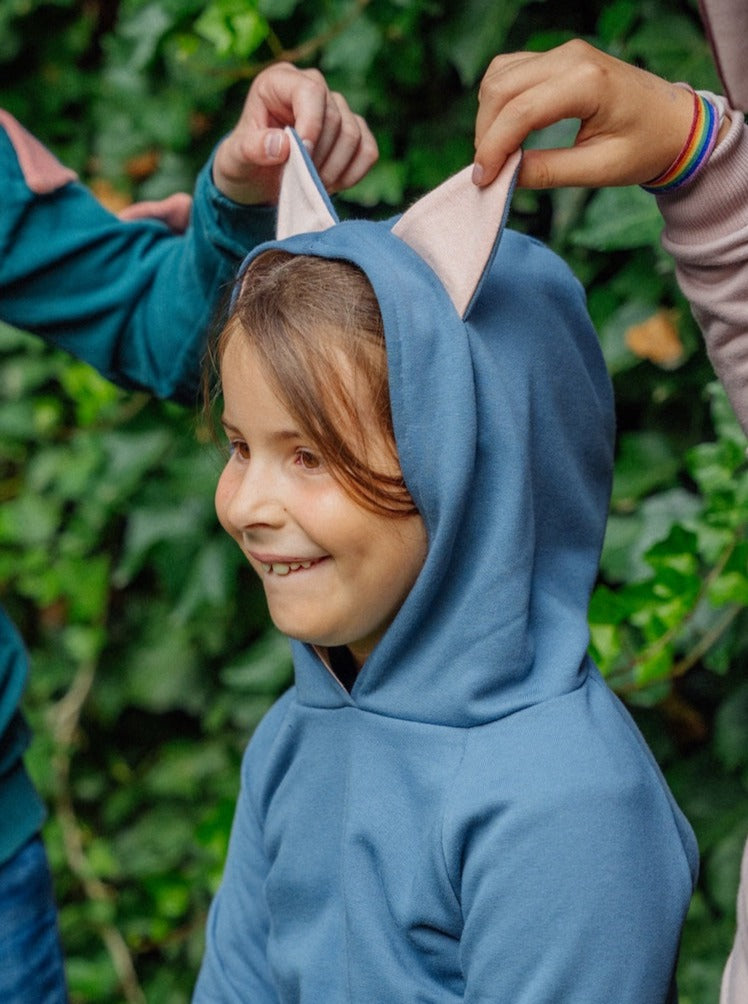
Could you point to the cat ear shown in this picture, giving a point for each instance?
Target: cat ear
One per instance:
(457, 227)
(303, 204)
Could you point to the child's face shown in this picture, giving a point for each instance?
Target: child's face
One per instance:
(334, 573)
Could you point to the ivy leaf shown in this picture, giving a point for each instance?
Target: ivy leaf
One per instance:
(354, 50)
(234, 27)
(476, 34)
(383, 185)
(731, 585)
(731, 730)
(645, 461)
(265, 669)
(619, 219)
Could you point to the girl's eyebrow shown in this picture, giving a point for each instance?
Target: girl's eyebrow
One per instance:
(282, 435)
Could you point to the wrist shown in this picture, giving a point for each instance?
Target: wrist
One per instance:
(695, 151)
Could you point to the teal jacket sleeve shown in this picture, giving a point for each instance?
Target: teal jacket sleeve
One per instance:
(131, 298)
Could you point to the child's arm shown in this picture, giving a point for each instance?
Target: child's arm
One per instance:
(132, 298)
(706, 231)
(633, 126)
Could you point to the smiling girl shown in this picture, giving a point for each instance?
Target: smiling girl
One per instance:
(449, 805)
(313, 492)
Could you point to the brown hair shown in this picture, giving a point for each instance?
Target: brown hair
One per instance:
(317, 328)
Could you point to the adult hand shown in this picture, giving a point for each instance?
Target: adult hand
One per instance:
(633, 123)
(248, 162)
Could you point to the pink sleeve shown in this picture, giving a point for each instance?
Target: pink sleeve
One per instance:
(726, 26)
(706, 231)
(735, 978)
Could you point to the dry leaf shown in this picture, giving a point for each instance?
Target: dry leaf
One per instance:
(656, 339)
(110, 197)
(143, 165)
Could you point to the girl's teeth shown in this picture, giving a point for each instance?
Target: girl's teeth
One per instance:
(281, 568)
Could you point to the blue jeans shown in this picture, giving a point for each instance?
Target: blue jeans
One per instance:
(31, 965)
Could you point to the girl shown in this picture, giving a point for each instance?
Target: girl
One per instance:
(449, 805)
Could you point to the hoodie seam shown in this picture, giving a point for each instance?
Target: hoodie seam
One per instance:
(443, 822)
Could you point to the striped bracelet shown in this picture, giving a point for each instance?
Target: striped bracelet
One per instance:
(701, 140)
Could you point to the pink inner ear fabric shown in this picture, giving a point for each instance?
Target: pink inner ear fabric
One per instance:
(42, 171)
(301, 207)
(455, 227)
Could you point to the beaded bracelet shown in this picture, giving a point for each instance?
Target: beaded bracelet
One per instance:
(696, 151)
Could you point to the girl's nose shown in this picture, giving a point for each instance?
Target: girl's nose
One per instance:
(254, 499)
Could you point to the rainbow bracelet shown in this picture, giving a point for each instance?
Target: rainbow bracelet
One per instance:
(701, 140)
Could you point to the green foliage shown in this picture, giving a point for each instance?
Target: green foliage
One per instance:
(153, 658)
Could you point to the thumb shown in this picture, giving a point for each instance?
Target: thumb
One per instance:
(244, 149)
(274, 146)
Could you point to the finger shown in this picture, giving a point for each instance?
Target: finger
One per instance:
(340, 171)
(309, 106)
(502, 80)
(595, 165)
(556, 168)
(339, 144)
(282, 95)
(333, 124)
(530, 110)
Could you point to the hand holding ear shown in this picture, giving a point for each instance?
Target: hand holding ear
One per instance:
(247, 165)
(633, 123)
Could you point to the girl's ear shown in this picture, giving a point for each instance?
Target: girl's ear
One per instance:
(303, 204)
(457, 227)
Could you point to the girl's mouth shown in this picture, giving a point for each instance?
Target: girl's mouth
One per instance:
(286, 567)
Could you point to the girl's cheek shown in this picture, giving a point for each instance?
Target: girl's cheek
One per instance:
(223, 496)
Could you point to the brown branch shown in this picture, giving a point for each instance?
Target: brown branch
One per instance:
(706, 641)
(64, 719)
(303, 51)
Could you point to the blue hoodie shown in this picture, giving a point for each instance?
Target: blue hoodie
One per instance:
(478, 819)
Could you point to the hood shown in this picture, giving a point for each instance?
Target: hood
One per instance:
(503, 416)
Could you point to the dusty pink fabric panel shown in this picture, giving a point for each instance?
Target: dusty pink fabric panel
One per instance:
(735, 978)
(454, 229)
(42, 171)
(301, 207)
(706, 231)
(726, 24)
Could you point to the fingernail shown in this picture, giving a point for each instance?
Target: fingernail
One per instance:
(309, 145)
(478, 174)
(273, 141)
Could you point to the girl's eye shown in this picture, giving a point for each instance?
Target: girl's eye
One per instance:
(238, 448)
(308, 460)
